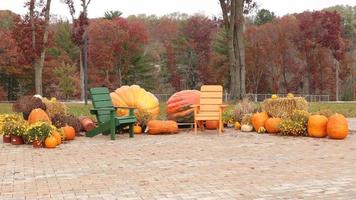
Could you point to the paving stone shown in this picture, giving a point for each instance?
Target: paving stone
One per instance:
(233, 165)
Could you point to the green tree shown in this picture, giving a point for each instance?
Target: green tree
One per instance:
(110, 15)
(264, 16)
(141, 72)
(66, 75)
(64, 41)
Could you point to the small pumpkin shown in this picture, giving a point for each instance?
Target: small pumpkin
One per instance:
(258, 120)
(137, 129)
(38, 115)
(212, 124)
(69, 132)
(272, 124)
(274, 96)
(158, 127)
(261, 130)
(51, 142)
(337, 127)
(237, 126)
(58, 137)
(246, 128)
(317, 126)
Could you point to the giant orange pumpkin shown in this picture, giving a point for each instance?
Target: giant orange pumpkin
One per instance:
(69, 132)
(51, 142)
(212, 124)
(159, 127)
(337, 127)
(38, 115)
(178, 105)
(272, 125)
(317, 126)
(136, 97)
(258, 120)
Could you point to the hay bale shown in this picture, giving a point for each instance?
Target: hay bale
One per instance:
(284, 107)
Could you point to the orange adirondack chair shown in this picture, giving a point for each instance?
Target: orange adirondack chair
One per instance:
(211, 106)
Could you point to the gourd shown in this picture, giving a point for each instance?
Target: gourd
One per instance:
(178, 105)
(272, 125)
(159, 127)
(69, 132)
(337, 127)
(137, 129)
(38, 115)
(258, 120)
(136, 97)
(246, 128)
(211, 124)
(317, 126)
(237, 126)
(51, 142)
(261, 130)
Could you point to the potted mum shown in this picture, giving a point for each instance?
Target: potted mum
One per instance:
(7, 126)
(17, 129)
(38, 132)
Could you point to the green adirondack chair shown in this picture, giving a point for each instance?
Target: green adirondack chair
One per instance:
(105, 113)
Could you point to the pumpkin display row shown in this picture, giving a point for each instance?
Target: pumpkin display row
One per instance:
(319, 126)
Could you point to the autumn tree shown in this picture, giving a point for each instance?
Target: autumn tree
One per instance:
(233, 18)
(33, 19)
(80, 37)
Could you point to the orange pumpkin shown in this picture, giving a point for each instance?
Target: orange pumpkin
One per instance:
(38, 115)
(51, 142)
(178, 105)
(58, 137)
(272, 125)
(337, 127)
(258, 120)
(212, 124)
(137, 129)
(158, 127)
(69, 132)
(317, 126)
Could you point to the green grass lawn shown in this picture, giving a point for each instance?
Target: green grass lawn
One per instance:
(78, 109)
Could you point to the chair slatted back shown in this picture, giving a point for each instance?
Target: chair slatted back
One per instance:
(211, 98)
(101, 99)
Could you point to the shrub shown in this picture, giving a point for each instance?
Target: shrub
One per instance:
(54, 107)
(27, 104)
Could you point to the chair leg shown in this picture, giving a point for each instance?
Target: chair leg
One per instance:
(131, 130)
(195, 127)
(220, 126)
(112, 130)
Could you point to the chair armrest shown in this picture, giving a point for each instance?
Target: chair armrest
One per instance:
(123, 107)
(95, 110)
(224, 106)
(195, 106)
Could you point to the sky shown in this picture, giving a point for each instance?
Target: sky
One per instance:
(162, 7)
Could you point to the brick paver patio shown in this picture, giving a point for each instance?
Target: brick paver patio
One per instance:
(184, 166)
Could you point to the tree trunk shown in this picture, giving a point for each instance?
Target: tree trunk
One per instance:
(81, 68)
(39, 67)
(234, 25)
